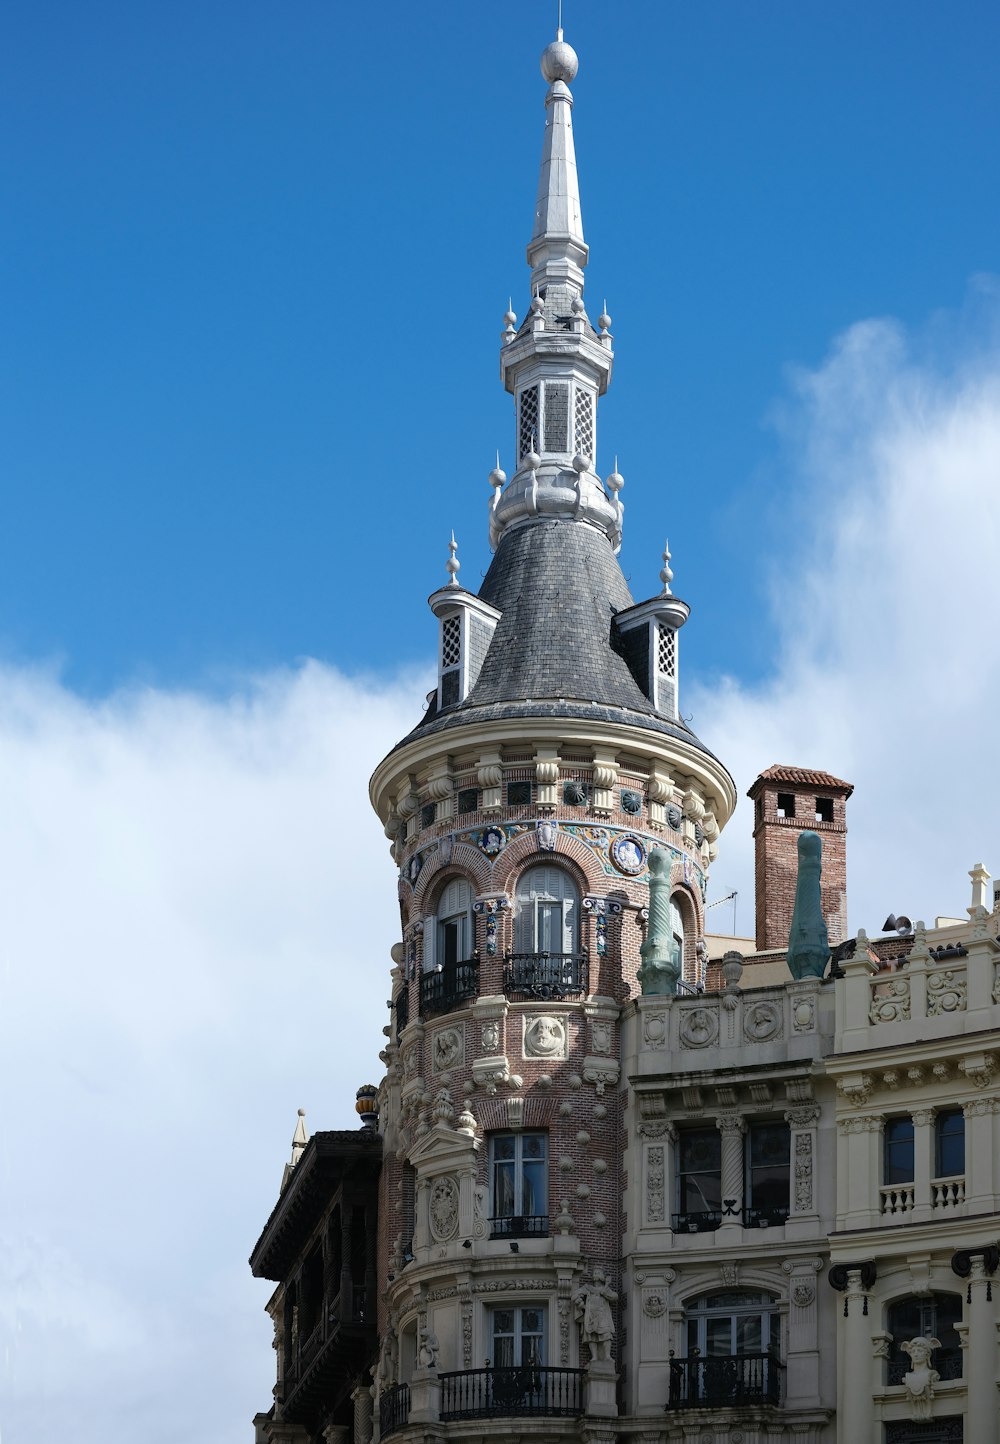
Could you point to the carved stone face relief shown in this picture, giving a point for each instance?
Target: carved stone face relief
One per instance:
(448, 1049)
(544, 1037)
(761, 1022)
(699, 1027)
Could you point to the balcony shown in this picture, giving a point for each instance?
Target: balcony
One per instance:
(704, 1221)
(393, 1409)
(340, 1324)
(520, 1225)
(402, 1006)
(948, 1363)
(728, 1382)
(448, 987)
(528, 1392)
(545, 975)
(897, 1200)
(766, 1216)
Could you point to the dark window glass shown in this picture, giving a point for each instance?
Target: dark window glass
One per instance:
(427, 814)
(949, 1143)
(468, 799)
(786, 804)
(932, 1316)
(519, 1177)
(518, 794)
(699, 1171)
(770, 1147)
(899, 1151)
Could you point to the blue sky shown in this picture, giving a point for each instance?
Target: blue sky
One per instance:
(254, 263)
(256, 256)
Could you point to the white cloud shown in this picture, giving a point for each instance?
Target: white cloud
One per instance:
(888, 661)
(198, 906)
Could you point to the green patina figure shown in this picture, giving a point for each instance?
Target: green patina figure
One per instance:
(808, 943)
(660, 966)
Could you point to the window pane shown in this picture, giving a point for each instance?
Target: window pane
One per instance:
(533, 1145)
(748, 1336)
(503, 1190)
(503, 1145)
(533, 1190)
(770, 1145)
(503, 1322)
(700, 1178)
(550, 927)
(719, 1337)
(950, 1139)
(899, 1151)
(503, 1351)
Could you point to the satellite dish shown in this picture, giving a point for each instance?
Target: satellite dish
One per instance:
(903, 925)
(890, 925)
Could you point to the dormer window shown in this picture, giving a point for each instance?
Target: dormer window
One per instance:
(467, 627)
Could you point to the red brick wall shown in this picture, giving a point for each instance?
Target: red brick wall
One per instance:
(776, 860)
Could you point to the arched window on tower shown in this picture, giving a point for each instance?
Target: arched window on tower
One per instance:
(451, 968)
(547, 961)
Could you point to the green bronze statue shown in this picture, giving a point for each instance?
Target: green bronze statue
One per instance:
(808, 943)
(661, 967)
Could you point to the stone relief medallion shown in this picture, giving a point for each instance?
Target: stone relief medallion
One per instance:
(444, 1209)
(631, 802)
(803, 1295)
(699, 1028)
(414, 866)
(547, 836)
(628, 854)
(600, 1035)
(493, 841)
(803, 1015)
(545, 1037)
(654, 1029)
(654, 1305)
(447, 1049)
(761, 1022)
(491, 1036)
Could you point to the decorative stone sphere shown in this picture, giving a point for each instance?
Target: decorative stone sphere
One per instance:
(581, 463)
(366, 1099)
(559, 61)
(616, 481)
(509, 318)
(537, 304)
(577, 306)
(498, 477)
(532, 461)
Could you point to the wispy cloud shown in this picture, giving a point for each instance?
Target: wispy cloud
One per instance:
(887, 667)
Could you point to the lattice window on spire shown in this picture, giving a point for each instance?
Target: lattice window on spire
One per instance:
(583, 417)
(557, 416)
(527, 422)
(666, 652)
(451, 642)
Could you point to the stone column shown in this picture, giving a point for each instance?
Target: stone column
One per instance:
(979, 1164)
(732, 1127)
(981, 1357)
(425, 1397)
(855, 1414)
(923, 1162)
(803, 1184)
(362, 1397)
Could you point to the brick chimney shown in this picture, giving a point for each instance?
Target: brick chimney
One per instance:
(787, 801)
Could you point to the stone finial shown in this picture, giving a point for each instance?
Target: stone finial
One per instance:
(666, 575)
(300, 1137)
(980, 888)
(808, 942)
(661, 965)
(604, 320)
(509, 331)
(453, 566)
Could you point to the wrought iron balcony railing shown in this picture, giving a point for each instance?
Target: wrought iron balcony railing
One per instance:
(402, 1006)
(703, 1221)
(445, 988)
(545, 975)
(522, 1392)
(393, 1408)
(769, 1213)
(520, 1225)
(728, 1382)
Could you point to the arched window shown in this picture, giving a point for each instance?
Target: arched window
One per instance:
(547, 911)
(732, 1343)
(448, 935)
(932, 1316)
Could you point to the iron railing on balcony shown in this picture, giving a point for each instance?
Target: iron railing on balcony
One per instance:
(393, 1408)
(948, 1363)
(764, 1216)
(728, 1382)
(545, 975)
(520, 1225)
(402, 1006)
(522, 1392)
(445, 988)
(703, 1221)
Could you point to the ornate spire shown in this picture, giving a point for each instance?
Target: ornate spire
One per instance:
(557, 251)
(453, 566)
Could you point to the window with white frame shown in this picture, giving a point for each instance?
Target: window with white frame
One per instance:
(547, 909)
(452, 929)
(519, 1185)
(732, 1323)
(677, 932)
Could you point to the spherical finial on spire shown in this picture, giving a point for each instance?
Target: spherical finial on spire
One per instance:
(666, 575)
(453, 565)
(498, 477)
(616, 481)
(559, 60)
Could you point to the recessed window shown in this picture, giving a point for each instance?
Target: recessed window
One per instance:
(518, 794)
(519, 1342)
(468, 799)
(699, 1179)
(930, 1317)
(666, 651)
(949, 1143)
(519, 1185)
(427, 814)
(786, 804)
(768, 1168)
(546, 911)
(898, 1157)
(824, 809)
(731, 1358)
(451, 642)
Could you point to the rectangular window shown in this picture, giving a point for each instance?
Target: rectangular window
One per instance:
(786, 804)
(898, 1162)
(824, 809)
(949, 1143)
(699, 1177)
(768, 1172)
(519, 1337)
(519, 1185)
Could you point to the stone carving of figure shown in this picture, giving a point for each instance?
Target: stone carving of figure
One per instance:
(921, 1378)
(427, 1356)
(545, 1038)
(808, 943)
(387, 1362)
(660, 966)
(447, 1049)
(592, 1305)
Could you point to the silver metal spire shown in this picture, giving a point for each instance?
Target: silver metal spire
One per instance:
(557, 251)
